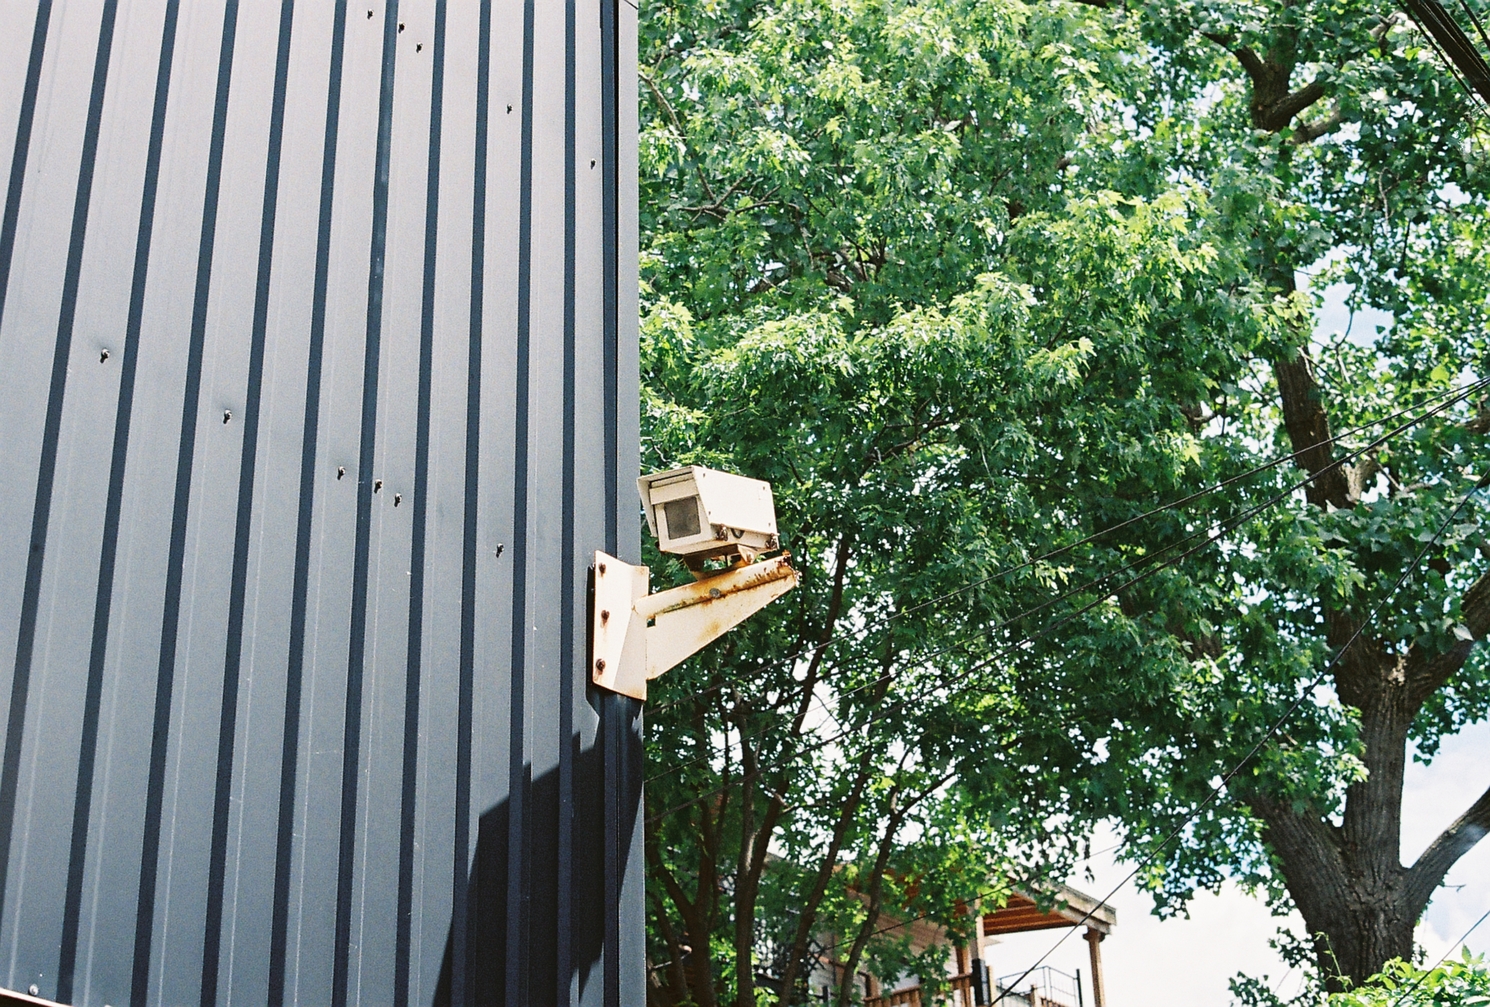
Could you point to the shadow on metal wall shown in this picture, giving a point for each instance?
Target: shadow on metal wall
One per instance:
(517, 944)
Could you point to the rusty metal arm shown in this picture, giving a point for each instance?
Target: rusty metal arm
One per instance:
(636, 636)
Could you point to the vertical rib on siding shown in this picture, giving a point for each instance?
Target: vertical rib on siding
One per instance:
(317, 389)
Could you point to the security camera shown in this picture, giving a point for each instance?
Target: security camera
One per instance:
(701, 513)
(698, 514)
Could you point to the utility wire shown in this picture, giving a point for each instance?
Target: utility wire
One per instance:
(963, 644)
(1474, 19)
(1148, 558)
(1459, 54)
(1234, 523)
(1271, 731)
(1457, 944)
(1216, 791)
(693, 876)
(1231, 774)
(1454, 396)
(901, 703)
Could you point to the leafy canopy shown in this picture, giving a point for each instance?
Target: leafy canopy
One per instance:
(976, 283)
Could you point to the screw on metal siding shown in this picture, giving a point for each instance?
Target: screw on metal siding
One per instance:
(601, 568)
(227, 414)
(419, 47)
(369, 13)
(377, 485)
(509, 109)
(599, 666)
(398, 498)
(341, 470)
(604, 615)
(400, 27)
(592, 162)
(34, 990)
(500, 549)
(103, 356)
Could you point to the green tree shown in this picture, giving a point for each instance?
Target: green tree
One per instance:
(860, 289)
(972, 281)
(909, 460)
(1336, 141)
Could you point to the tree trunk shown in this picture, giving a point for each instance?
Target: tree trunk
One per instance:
(1380, 924)
(796, 959)
(872, 896)
(1367, 939)
(1360, 904)
(1348, 881)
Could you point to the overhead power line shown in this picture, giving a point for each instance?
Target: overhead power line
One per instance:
(1456, 49)
(1443, 958)
(1453, 396)
(1148, 560)
(1231, 774)
(1277, 725)
(900, 704)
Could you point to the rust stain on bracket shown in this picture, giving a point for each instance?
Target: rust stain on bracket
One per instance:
(636, 636)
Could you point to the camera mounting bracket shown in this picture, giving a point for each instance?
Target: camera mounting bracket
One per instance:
(636, 636)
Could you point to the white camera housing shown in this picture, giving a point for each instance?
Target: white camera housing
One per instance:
(700, 513)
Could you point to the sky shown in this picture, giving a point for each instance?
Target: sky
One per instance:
(1190, 960)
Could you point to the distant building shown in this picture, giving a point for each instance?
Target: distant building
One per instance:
(1006, 986)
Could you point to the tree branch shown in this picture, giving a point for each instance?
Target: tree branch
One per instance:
(755, 842)
(1308, 132)
(672, 115)
(876, 888)
(1426, 673)
(1251, 62)
(898, 814)
(806, 921)
(1308, 427)
(1275, 115)
(1458, 839)
(1273, 105)
(744, 895)
(700, 970)
(1310, 855)
(677, 983)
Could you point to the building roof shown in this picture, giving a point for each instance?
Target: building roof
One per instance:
(1071, 908)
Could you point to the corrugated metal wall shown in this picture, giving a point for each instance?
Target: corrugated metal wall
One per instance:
(317, 391)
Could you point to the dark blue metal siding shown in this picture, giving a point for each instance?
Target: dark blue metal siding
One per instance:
(317, 392)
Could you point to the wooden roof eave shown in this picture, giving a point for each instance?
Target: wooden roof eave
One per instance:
(1022, 914)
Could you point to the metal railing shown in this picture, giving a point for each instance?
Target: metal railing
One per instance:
(1043, 987)
(900, 998)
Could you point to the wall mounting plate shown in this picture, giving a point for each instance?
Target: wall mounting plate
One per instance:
(636, 636)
